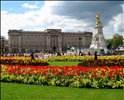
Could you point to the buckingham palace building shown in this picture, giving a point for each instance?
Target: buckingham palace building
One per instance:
(49, 40)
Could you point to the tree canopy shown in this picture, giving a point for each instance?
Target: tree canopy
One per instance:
(117, 40)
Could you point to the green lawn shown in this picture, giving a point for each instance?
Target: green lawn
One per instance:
(63, 63)
(13, 91)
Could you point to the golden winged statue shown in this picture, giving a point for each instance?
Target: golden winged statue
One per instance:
(98, 22)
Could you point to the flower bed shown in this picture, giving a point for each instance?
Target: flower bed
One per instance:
(106, 72)
(22, 61)
(83, 58)
(69, 58)
(68, 76)
(102, 62)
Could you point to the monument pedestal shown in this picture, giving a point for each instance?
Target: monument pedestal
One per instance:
(98, 40)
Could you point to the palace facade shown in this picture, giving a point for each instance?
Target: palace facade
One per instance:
(49, 40)
(4, 45)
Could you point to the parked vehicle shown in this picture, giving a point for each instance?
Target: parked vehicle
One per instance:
(105, 53)
(120, 48)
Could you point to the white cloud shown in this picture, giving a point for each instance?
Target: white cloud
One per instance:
(33, 18)
(67, 24)
(119, 22)
(26, 5)
(115, 26)
(41, 19)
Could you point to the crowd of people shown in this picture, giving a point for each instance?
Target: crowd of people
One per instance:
(42, 55)
(46, 55)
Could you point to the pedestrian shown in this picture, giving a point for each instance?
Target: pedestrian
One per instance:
(82, 54)
(95, 55)
(89, 53)
(32, 56)
(58, 54)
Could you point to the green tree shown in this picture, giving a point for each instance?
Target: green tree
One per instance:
(117, 40)
(108, 40)
(109, 43)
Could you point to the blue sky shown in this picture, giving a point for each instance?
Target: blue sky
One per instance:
(16, 6)
(66, 15)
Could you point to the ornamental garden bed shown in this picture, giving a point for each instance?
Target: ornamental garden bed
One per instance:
(96, 76)
(23, 61)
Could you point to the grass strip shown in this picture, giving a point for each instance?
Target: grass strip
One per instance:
(14, 91)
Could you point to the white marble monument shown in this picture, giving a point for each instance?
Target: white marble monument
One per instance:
(98, 40)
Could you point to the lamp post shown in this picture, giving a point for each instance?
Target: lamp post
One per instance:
(79, 44)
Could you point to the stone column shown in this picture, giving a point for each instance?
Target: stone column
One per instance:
(19, 40)
(19, 43)
(9, 43)
(10, 49)
(84, 41)
(59, 42)
(19, 49)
